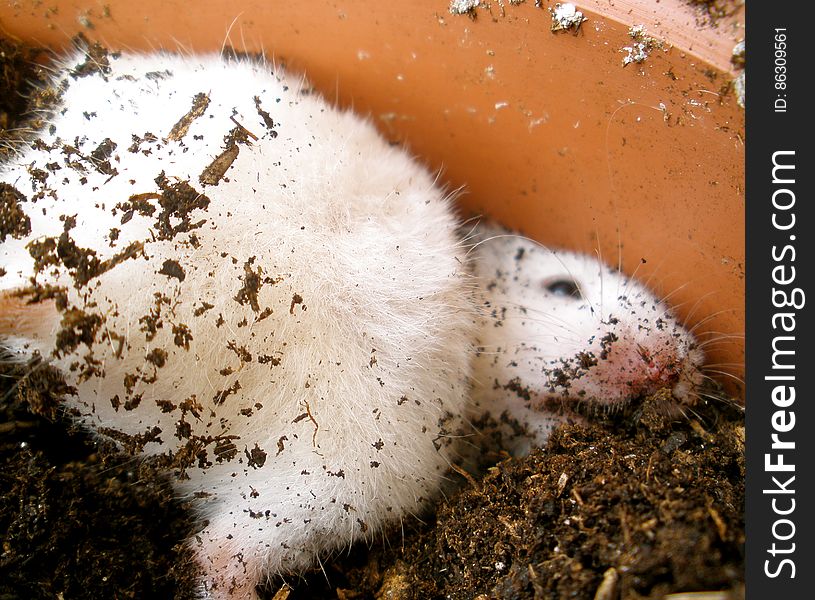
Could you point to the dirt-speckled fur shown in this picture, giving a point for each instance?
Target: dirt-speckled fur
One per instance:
(302, 358)
(255, 288)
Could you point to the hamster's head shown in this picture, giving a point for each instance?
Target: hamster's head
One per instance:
(565, 326)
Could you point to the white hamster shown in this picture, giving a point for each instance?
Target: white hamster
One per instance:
(257, 290)
(561, 329)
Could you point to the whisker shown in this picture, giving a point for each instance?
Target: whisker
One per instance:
(732, 368)
(600, 258)
(709, 318)
(716, 343)
(677, 289)
(692, 411)
(718, 337)
(726, 374)
(228, 35)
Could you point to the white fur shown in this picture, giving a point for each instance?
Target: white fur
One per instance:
(356, 385)
(609, 343)
(356, 420)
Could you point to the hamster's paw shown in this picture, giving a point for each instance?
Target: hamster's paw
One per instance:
(226, 573)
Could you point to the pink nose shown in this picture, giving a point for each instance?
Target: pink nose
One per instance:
(660, 371)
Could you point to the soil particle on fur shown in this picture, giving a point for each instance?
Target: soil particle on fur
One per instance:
(157, 356)
(200, 102)
(182, 336)
(171, 268)
(266, 117)
(178, 199)
(137, 203)
(216, 170)
(82, 263)
(100, 156)
(295, 300)
(77, 327)
(252, 282)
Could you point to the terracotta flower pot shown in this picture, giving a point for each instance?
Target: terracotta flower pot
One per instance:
(547, 132)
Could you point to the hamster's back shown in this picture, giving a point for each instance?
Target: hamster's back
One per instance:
(252, 283)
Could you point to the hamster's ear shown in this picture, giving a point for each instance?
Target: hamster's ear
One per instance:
(19, 318)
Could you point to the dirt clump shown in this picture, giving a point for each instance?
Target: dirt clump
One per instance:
(639, 503)
(78, 518)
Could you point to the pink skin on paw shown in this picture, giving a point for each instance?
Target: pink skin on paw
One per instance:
(228, 573)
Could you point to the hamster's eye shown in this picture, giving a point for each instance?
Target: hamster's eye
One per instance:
(563, 287)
